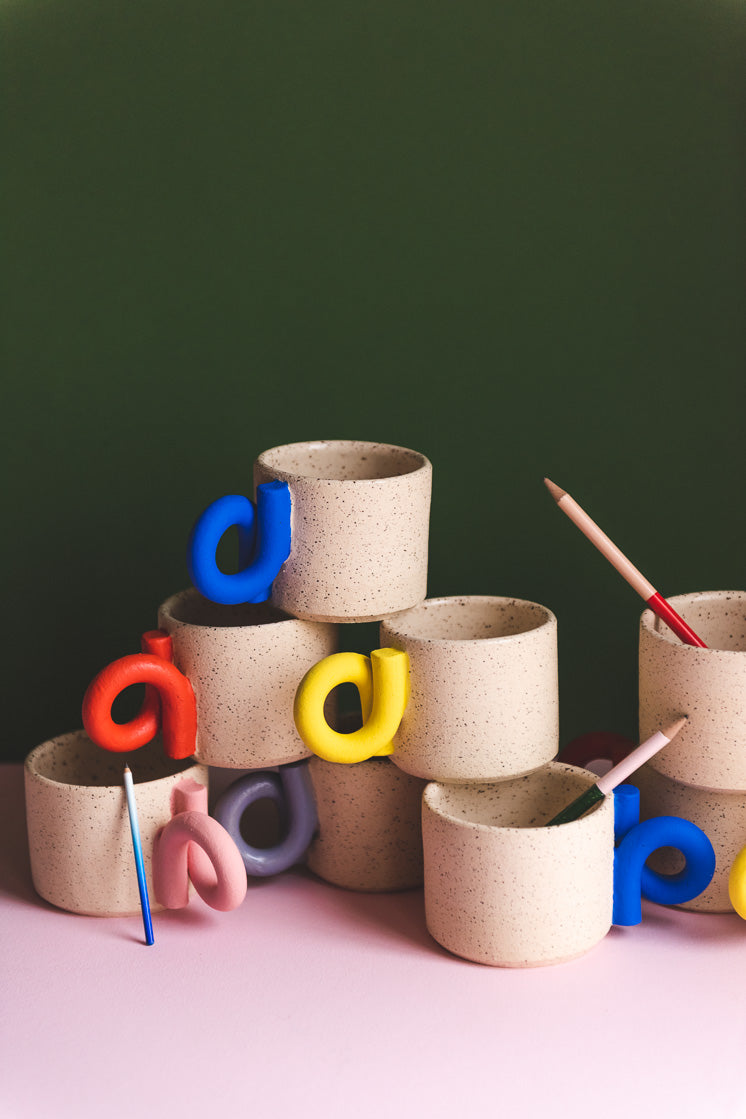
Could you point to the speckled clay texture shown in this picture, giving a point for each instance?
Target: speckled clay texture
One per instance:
(720, 813)
(244, 664)
(370, 835)
(360, 524)
(484, 699)
(502, 889)
(78, 825)
(708, 685)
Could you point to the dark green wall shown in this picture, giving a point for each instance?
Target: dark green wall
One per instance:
(509, 235)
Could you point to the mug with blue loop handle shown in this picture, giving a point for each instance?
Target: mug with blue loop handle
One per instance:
(264, 545)
(637, 841)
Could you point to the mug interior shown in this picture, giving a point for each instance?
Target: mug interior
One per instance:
(520, 802)
(718, 617)
(191, 608)
(469, 618)
(341, 460)
(74, 759)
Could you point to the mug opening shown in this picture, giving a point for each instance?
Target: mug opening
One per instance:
(341, 460)
(516, 803)
(717, 617)
(469, 618)
(191, 608)
(74, 759)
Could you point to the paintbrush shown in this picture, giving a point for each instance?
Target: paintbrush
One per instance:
(627, 570)
(618, 774)
(139, 863)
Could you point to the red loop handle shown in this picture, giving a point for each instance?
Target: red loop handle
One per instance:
(147, 722)
(596, 744)
(158, 642)
(173, 695)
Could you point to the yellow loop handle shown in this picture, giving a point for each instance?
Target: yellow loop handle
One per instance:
(737, 883)
(383, 684)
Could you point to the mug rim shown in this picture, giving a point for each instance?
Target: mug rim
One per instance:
(392, 626)
(657, 628)
(555, 767)
(420, 461)
(69, 738)
(192, 594)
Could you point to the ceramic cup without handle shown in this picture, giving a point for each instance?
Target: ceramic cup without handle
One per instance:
(720, 813)
(501, 888)
(708, 685)
(244, 664)
(369, 831)
(78, 824)
(483, 699)
(360, 521)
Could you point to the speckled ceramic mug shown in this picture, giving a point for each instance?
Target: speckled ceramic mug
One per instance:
(369, 831)
(360, 520)
(501, 888)
(78, 825)
(484, 701)
(244, 664)
(720, 813)
(708, 685)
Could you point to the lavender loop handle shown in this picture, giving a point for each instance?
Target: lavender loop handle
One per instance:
(291, 791)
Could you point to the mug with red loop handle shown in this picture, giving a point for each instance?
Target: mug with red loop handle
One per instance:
(169, 703)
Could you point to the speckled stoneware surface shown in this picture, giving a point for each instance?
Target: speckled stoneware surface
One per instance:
(484, 700)
(502, 889)
(370, 835)
(78, 825)
(244, 664)
(360, 523)
(708, 685)
(720, 813)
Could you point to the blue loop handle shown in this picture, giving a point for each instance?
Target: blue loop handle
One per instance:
(633, 880)
(266, 529)
(626, 810)
(292, 792)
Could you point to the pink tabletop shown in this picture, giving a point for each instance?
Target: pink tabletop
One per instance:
(315, 1001)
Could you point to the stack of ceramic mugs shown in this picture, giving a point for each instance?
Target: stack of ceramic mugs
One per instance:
(701, 775)
(449, 776)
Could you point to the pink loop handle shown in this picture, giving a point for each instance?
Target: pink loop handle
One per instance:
(174, 863)
(169, 699)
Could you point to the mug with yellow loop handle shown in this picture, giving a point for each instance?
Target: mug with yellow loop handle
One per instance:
(382, 681)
